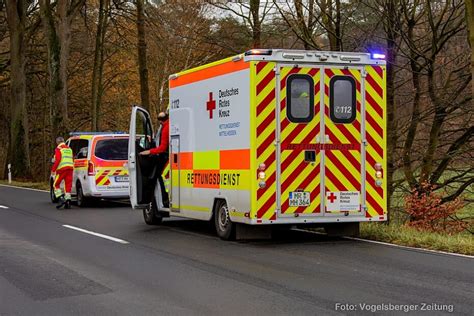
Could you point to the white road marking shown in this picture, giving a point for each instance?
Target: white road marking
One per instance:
(16, 187)
(393, 245)
(121, 241)
(3, 206)
(411, 248)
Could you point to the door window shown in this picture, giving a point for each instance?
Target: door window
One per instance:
(76, 145)
(342, 99)
(143, 132)
(300, 98)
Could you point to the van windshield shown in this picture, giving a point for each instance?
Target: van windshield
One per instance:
(112, 149)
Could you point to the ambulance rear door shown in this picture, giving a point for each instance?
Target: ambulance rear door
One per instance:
(299, 131)
(343, 147)
(139, 167)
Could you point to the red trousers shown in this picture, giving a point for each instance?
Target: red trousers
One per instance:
(66, 175)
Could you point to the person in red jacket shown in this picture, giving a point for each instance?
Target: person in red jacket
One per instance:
(161, 151)
(63, 169)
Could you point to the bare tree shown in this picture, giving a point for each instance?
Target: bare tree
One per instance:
(19, 152)
(251, 14)
(97, 73)
(470, 22)
(142, 60)
(57, 19)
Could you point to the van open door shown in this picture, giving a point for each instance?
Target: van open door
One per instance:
(140, 168)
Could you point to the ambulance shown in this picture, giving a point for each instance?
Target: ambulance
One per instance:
(100, 167)
(268, 138)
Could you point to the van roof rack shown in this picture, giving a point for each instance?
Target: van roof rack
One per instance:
(95, 133)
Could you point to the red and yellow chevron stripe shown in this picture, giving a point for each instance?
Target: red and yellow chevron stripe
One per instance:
(102, 175)
(265, 144)
(375, 135)
(342, 167)
(296, 174)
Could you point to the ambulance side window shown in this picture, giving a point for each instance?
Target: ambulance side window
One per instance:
(300, 98)
(342, 99)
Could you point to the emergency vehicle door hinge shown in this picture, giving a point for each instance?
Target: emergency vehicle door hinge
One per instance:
(363, 73)
(364, 142)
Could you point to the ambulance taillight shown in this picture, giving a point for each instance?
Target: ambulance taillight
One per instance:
(90, 168)
(378, 174)
(261, 176)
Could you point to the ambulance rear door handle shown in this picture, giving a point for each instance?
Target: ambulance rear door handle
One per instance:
(175, 158)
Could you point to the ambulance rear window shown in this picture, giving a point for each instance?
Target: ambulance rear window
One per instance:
(342, 99)
(300, 98)
(112, 149)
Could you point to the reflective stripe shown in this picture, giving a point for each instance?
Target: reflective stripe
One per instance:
(66, 158)
(58, 192)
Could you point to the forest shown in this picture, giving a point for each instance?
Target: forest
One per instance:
(79, 65)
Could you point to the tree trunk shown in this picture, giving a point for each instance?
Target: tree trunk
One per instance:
(470, 24)
(56, 86)
(392, 136)
(142, 63)
(257, 27)
(58, 39)
(19, 150)
(97, 72)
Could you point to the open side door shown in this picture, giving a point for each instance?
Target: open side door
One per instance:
(140, 168)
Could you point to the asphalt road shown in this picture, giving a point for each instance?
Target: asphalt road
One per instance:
(181, 268)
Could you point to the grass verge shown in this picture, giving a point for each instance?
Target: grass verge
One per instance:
(31, 185)
(401, 235)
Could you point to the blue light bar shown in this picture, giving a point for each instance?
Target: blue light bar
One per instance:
(377, 56)
(96, 133)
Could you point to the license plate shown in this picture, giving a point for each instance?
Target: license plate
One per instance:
(299, 198)
(121, 179)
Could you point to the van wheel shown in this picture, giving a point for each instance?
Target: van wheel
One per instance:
(150, 214)
(53, 197)
(81, 199)
(224, 227)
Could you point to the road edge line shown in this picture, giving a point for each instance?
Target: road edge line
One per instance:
(393, 245)
(118, 240)
(24, 188)
(409, 247)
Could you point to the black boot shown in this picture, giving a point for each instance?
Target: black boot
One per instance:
(68, 204)
(61, 203)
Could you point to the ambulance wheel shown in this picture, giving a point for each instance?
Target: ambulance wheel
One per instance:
(150, 214)
(81, 199)
(53, 197)
(225, 229)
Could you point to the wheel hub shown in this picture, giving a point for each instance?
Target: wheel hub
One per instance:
(223, 218)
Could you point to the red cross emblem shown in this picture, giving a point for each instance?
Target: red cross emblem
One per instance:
(210, 105)
(332, 197)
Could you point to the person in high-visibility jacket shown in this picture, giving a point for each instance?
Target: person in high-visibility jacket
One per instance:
(63, 169)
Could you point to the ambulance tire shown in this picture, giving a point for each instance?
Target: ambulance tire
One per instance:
(150, 214)
(81, 200)
(53, 197)
(225, 229)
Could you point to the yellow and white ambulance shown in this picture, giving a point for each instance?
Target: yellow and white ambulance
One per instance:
(100, 166)
(271, 137)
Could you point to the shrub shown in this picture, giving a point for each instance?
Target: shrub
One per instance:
(428, 212)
